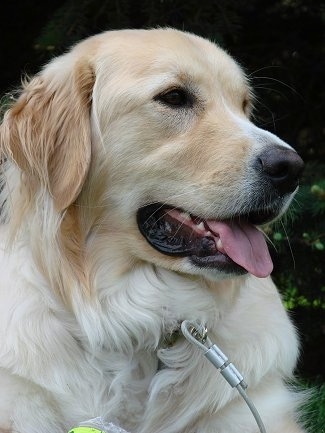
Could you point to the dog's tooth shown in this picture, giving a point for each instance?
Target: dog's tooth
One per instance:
(201, 226)
(208, 233)
(185, 215)
(220, 246)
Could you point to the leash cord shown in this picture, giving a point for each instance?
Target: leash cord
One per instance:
(197, 334)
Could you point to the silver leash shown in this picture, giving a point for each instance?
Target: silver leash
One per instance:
(197, 334)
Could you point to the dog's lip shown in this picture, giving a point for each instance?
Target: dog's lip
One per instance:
(231, 245)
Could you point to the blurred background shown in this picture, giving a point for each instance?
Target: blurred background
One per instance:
(281, 45)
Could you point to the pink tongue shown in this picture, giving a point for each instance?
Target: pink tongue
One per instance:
(245, 245)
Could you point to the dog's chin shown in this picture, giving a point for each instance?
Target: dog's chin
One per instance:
(216, 248)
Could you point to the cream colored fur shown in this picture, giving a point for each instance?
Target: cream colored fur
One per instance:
(84, 300)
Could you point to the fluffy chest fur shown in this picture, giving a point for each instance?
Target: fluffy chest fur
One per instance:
(106, 364)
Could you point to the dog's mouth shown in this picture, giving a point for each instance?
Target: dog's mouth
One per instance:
(232, 246)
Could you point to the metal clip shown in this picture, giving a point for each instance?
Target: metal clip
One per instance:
(201, 334)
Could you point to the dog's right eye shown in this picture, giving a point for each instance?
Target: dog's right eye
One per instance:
(175, 98)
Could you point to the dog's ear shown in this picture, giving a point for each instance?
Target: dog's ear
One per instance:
(47, 131)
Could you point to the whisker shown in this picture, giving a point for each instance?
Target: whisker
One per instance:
(270, 89)
(293, 90)
(262, 69)
(269, 111)
(270, 241)
(289, 244)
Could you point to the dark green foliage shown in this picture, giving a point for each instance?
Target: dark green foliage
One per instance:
(77, 19)
(299, 242)
(313, 414)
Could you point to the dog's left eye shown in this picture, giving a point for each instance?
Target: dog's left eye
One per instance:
(175, 98)
(247, 106)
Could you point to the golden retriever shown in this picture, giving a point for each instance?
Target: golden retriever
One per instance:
(133, 188)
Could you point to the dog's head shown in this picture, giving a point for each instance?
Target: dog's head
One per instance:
(148, 133)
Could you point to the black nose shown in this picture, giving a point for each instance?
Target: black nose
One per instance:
(282, 167)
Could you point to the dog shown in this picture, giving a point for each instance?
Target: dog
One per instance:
(134, 185)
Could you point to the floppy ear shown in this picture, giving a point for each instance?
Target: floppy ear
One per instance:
(47, 131)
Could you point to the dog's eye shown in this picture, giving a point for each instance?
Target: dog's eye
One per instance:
(245, 104)
(175, 98)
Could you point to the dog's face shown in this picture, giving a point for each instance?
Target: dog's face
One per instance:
(184, 174)
(189, 172)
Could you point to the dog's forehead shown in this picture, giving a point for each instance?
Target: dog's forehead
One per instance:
(169, 53)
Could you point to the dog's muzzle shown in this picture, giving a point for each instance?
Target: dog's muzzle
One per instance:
(232, 245)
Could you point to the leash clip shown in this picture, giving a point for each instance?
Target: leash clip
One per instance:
(199, 332)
